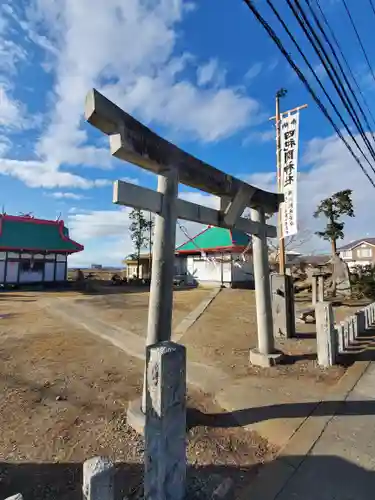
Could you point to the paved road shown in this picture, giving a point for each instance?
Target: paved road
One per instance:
(341, 465)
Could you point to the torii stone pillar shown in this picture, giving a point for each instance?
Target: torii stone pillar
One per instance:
(265, 353)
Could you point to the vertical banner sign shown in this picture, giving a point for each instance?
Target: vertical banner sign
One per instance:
(289, 126)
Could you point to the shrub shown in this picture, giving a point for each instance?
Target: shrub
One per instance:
(363, 282)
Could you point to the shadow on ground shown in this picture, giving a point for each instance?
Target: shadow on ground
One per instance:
(336, 477)
(249, 416)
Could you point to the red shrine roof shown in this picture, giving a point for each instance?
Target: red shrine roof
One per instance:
(28, 233)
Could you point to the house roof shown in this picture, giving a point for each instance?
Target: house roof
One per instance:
(28, 233)
(353, 244)
(215, 239)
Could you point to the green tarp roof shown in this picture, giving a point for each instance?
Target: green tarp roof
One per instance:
(25, 233)
(215, 238)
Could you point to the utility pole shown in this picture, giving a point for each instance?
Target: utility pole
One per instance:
(278, 116)
(280, 93)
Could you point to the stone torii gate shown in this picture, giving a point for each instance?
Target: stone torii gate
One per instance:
(133, 142)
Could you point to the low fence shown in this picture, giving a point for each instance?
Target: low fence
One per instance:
(334, 339)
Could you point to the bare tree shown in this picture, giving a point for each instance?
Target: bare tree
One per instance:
(292, 243)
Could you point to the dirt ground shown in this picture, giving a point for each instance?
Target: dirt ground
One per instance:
(64, 391)
(63, 396)
(129, 309)
(227, 330)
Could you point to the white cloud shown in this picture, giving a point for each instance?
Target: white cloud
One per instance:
(253, 71)
(262, 137)
(10, 109)
(326, 168)
(99, 223)
(11, 53)
(59, 195)
(331, 169)
(210, 73)
(105, 233)
(207, 114)
(95, 43)
(320, 71)
(91, 43)
(273, 65)
(37, 174)
(5, 145)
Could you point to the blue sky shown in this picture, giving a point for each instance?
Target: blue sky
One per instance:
(203, 74)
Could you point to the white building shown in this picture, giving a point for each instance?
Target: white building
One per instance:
(359, 252)
(216, 256)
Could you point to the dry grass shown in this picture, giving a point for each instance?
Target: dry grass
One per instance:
(63, 397)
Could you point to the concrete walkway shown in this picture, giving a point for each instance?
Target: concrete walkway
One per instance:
(341, 462)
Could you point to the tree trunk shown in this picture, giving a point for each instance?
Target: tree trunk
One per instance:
(334, 251)
(334, 247)
(138, 260)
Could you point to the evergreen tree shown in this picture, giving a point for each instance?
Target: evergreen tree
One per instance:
(139, 231)
(333, 209)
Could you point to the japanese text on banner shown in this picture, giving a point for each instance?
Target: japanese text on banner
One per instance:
(289, 126)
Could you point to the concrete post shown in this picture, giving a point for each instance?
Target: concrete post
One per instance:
(264, 355)
(352, 328)
(321, 288)
(283, 306)
(165, 429)
(340, 337)
(356, 325)
(370, 320)
(314, 290)
(98, 474)
(346, 334)
(361, 322)
(325, 334)
(159, 325)
(368, 317)
(372, 313)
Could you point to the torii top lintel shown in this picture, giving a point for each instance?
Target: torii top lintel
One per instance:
(132, 141)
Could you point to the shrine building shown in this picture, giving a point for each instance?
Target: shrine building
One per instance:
(34, 250)
(216, 256)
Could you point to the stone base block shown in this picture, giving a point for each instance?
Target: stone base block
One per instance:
(135, 416)
(265, 360)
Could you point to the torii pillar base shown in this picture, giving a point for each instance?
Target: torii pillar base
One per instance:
(265, 360)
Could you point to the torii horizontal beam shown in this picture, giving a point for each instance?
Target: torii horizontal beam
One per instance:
(133, 142)
(131, 195)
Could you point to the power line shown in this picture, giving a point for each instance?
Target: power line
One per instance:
(359, 39)
(339, 87)
(282, 22)
(326, 38)
(326, 22)
(372, 6)
(303, 79)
